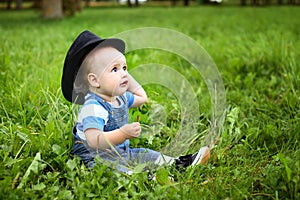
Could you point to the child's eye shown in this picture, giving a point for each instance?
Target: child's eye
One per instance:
(114, 69)
(124, 68)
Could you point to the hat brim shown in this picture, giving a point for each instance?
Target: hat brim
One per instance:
(73, 61)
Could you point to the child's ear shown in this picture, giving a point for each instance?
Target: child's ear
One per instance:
(93, 81)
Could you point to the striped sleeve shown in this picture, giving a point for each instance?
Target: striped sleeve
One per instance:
(93, 115)
(130, 98)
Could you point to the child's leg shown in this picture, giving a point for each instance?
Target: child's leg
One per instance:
(164, 160)
(142, 155)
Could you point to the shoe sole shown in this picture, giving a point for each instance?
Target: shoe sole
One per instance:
(205, 157)
(202, 156)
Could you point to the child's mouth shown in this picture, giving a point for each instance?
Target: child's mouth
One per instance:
(124, 84)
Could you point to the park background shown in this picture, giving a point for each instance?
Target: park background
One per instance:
(256, 49)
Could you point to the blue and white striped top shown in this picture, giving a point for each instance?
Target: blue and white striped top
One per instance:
(95, 112)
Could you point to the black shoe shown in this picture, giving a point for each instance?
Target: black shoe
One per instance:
(200, 157)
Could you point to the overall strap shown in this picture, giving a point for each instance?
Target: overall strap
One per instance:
(101, 101)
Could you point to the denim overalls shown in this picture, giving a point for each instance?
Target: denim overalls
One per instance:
(124, 157)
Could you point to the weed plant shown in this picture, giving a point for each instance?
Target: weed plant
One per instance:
(257, 156)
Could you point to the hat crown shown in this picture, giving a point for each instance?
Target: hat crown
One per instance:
(85, 38)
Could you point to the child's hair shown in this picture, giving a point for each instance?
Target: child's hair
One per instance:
(81, 84)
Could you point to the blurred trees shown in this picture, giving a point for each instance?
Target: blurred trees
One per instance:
(19, 4)
(60, 8)
(37, 4)
(52, 9)
(186, 2)
(8, 5)
(70, 7)
(87, 3)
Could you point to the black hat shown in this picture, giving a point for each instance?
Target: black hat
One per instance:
(83, 44)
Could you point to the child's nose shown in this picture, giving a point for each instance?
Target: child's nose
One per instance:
(124, 73)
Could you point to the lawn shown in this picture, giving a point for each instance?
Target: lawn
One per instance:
(256, 50)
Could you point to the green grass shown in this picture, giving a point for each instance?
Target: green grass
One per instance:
(257, 53)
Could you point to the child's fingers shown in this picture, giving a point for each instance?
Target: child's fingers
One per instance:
(137, 129)
(136, 124)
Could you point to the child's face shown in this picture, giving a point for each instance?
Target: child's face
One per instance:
(110, 70)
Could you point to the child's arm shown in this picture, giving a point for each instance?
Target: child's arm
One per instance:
(140, 96)
(102, 140)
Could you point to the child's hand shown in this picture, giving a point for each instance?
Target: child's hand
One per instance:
(132, 130)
